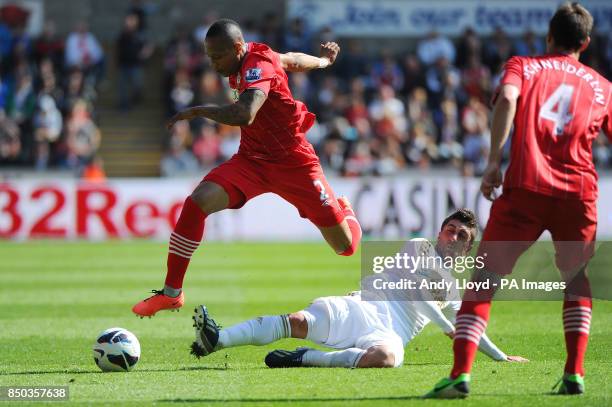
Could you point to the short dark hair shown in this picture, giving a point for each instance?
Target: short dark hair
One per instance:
(465, 216)
(224, 28)
(570, 26)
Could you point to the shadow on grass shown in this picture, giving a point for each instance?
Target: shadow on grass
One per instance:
(330, 399)
(290, 400)
(137, 371)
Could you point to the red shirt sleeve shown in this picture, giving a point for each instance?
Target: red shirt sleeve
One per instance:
(257, 73)
(512, 74)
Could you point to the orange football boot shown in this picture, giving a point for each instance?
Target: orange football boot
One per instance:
(158, 302)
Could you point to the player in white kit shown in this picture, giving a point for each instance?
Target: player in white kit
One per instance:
(369, 332)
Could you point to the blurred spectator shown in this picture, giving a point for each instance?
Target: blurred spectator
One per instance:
(82, 136)
(20, 107)
(50, 46)
(476, 79)
(529, 45)
(271, 31)
(6, 41)
(140, 8)
(182, 94)
(468, 47)
(297, 38)
(94, 170)
(84, 52)
(76, 89)
(497, 50)
(414, 75)
(210, 89)
(474, 121)
(47, 129)
(386, 71)
(230, 141)
(207, 146)
(443, 81)
(179, 160)
(22, 47)
(250, 31)
(434, 47)
(181, 55)
(449, 146)
(419, 111)
(360, 161)
(357, 109)
(48, 83)
(10, 141)
(353, 62)
(386, 109)
(422, 148)
(132, 51)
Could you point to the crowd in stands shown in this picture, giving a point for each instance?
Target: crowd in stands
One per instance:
(425, 106)
(48, 89)
(377, 114)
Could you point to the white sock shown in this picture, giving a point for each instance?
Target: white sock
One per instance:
(344, 358)
(258, 331)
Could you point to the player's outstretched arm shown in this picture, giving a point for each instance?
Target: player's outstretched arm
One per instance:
(299, 62)
(241, 113)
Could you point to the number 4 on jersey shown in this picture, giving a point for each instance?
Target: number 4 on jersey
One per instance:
(556, 108)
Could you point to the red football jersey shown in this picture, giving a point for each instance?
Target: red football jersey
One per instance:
(562, 107)
(281, 122)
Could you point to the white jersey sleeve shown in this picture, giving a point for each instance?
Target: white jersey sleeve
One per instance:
(432, 311)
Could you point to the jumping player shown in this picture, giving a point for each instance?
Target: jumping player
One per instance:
(558, 107)
(274, 155)
(365, 333)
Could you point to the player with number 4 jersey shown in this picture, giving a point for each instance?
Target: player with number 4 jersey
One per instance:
(561, 108)
(558, 106)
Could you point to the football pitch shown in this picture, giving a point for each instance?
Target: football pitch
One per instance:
(55, 297)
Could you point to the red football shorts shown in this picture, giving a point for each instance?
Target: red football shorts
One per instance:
(298, 179)
(520, 216)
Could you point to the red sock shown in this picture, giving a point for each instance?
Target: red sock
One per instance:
(577, 308)
(353, 224)
(184, 240)
(576, 324)
(470, 325)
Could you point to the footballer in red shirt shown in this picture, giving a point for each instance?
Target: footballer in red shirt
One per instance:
(558, 107)
(274, 155)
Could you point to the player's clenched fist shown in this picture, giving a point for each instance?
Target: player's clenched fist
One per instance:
(491, 179)
(330, 51)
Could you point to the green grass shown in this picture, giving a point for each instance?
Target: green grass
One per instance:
(56, 297)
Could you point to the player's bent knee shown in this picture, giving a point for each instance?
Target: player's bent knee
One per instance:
(377, 357)
(299, 325)
(210, 197)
